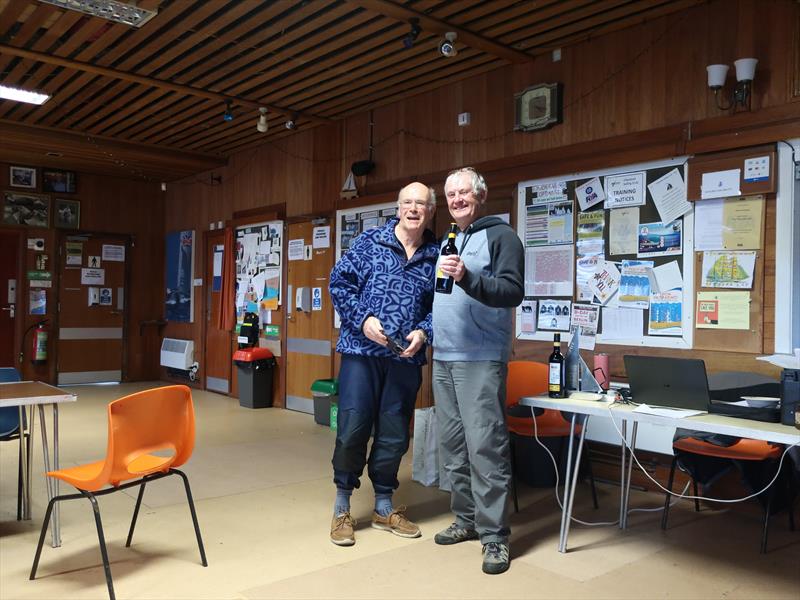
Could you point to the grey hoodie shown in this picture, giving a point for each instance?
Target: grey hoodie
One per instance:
(474, 322)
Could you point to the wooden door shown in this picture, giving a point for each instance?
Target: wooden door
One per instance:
(309, 350)
(91, 302)
(217, 344)
(9, 295)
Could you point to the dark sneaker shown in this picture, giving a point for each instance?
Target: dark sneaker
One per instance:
(495, 558)
(455, 534)
(342, 530)
(397, 523)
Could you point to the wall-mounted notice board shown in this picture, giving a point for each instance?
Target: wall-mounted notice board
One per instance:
(566, 223)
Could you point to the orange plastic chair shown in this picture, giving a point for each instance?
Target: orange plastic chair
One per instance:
(527, 378)
(157, 420)
(744, 449)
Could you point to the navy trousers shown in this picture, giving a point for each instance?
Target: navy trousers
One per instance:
(380, 393)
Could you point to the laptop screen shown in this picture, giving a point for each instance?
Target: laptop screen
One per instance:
(668, 382)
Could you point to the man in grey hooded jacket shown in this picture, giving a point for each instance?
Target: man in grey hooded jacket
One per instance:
(471, 347)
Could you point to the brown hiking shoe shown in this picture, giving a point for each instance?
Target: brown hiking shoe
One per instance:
(342, 530)
(397, 523)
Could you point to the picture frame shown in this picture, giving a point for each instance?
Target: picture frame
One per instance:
(66, 213)
(57, 181)
(31, 210)
(22, 177)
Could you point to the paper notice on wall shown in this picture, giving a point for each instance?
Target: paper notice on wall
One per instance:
(93, 276)
(549, 270)
(634, 284)
(623, 230)
(666, 277)
(528, 316)
(669, 196)
(721, 184)
(728, 223)
(622, 323)
(584, 269)
(113, 253)
(554, 315)
(586, 316)
(322, 237)
(728, 269)
(590, 193)
(604, 282)
(666, 316)
(660, 239)
(37, 302)
(74, 252)
(297, 249)
(626, 189)
(723, 310)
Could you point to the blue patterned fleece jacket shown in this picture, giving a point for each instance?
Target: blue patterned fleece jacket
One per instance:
(374, 278)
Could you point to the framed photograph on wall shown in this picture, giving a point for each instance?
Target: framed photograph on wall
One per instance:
(20, 208)
(58, 181)
(22, 177)
(66, 214)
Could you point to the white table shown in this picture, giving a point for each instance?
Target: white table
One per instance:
(583, 409)
(36, 393)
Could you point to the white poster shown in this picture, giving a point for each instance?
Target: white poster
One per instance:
(297, 249)
(669, 196)
(721, 184)
(623, 230)
(554, 315)
(590, 193)
(604, 282)
(322, 237)
(586, 316)
(113, 253)
(626, 189)
(93, 276)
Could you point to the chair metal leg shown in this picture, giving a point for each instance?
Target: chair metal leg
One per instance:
(512, 448)
(665, 514)
(194, 515)
(102, 540)
(45, 524)
(765, 531)
(135, 514)
(696, 494)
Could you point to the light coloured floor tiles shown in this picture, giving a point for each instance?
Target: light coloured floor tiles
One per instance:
(262, 485)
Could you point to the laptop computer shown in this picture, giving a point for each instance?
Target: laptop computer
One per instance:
(668, 382)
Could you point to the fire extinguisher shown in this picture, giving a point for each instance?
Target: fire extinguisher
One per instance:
(39, 345)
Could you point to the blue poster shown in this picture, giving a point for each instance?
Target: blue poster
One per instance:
(180, 254)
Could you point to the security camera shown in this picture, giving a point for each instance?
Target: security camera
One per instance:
(448, 45)
(290, 124)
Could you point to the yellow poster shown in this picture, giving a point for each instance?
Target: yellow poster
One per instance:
(741, 223)
(723, 310)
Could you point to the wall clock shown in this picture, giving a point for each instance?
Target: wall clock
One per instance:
(537, 107)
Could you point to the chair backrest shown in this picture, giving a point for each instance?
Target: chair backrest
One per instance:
(9, 415)
(145, 422)
(525, 378)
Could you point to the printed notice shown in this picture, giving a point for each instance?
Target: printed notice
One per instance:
(549, 271)
(297, 249)
(113, 253)
(669, 196)
(720, 184)
(723, 310)
(93, 276)
(622, 323)
(322, 236)
(586, 316)
(660, 239)
(528, 316)
(604, 282)
(623, 230)
(554, 315)
(634, 284)
(729, 223)
(625, 190)
(590, 193)
(666, 310)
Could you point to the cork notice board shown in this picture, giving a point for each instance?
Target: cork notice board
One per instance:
(734, 340)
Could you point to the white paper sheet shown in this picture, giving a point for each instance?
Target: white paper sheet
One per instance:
(669, 196)
(720, 184)
(590, 193)
(666, 277)
(622, 323)
(623, 230)
(626, 189)
(605, 281)
(549, 270)
(528, 316)
(675, 413)
(708, 224)
(296, 249)
(322, 237)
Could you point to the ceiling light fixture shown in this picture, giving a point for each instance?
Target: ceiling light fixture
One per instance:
(412, 36)
(291, 123)
(447, 47)
(740, 95)
(119, 12)
(262, 125)
(19, 95)
(228, 114)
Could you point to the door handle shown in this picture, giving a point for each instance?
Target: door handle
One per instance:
(10, 310)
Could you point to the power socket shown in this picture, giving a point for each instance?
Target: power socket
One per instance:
(464, 119)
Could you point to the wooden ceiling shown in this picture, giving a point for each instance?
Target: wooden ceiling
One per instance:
(150, 101)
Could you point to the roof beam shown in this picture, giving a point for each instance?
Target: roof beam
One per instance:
(150, 81)
(428, 23)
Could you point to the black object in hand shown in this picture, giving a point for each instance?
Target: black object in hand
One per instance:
(396, 344)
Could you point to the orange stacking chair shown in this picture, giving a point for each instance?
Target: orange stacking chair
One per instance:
(161, 419)
(744, 449)
(526, 378)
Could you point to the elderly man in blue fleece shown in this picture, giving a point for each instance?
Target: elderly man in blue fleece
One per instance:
(471, 347)
(382, 289)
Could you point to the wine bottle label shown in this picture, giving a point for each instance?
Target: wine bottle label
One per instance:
(555, 377)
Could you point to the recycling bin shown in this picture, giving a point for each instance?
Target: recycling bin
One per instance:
(326, 395)
(255, 366)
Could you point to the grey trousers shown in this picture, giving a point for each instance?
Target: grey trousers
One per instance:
(473, 443)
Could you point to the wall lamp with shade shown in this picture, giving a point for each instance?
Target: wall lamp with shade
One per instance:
(745, 73)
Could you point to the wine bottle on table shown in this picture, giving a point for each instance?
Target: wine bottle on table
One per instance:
(557, 381)
(444, 283)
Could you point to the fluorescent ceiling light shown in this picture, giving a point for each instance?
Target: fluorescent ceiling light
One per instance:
(12, 93)
(112, 10)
